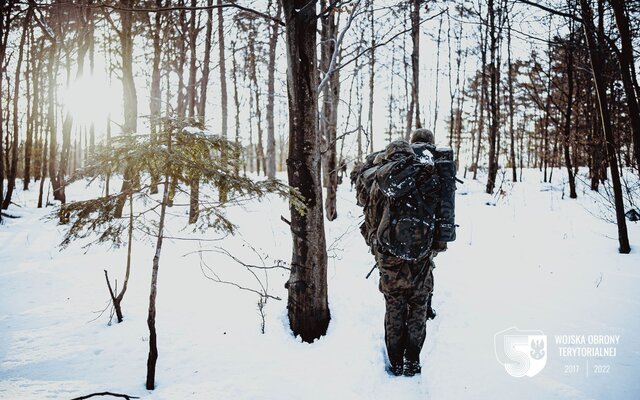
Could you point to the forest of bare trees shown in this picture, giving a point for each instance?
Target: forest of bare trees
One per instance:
(310, 88)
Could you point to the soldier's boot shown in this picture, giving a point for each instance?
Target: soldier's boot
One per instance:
(411, 368)
(395, 369)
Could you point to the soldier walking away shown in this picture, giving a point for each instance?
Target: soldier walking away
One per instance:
(407, 193)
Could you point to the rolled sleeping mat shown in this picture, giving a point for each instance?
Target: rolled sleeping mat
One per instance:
(445, 212)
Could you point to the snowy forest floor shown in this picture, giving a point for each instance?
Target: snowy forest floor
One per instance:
(533, 260)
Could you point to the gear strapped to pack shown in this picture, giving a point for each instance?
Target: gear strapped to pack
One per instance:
(408, 199)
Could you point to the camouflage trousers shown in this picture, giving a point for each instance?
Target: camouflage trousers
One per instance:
(407, 287)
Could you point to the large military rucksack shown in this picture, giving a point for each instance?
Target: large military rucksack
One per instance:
(363, 177)
(404, 207)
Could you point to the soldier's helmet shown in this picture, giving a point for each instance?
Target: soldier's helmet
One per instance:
(422, 135)
(397, 147)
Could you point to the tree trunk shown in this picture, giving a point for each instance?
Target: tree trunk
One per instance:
(482, 98)
(151, 317)
(191, 84)
(271, 138)
(223, 93)
(206, 67)
(435, 108)
(11, 178)
(308, 306)
(372, 72)
(5, 22)
(155, 94)
(598, 77)
(415, 60)
(493, 101)
(236, 102)
(32, 108)
(511, 72)
(569, 60)
(129, 97)
(52, 72)
(194, 183)
(43, 173)
(332, 103)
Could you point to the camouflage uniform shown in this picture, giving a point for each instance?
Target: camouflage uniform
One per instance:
(406, 286)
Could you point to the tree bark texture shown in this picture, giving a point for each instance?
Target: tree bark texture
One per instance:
(307, 305)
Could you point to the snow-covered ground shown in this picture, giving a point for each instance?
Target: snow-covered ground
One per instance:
(533, 260)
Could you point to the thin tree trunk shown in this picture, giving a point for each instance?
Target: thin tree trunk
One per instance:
(511, 72)
(547, 119)
(191, 84)
(43, 171)
(129, 97)
(307, 304)
(493, 101)
(194, 182)
(155, 95)
(482, 98)
(206, 67)
(372, 62)
(223, 92)
(271, 138)
(407, 94)
(437, 79)
(32, 107)
(569, 60)
(11, 181)
(331, 104)
(415, 60)
(52, 73)
(151, 317)
(117, 300)
(236, 101)
(5, 22)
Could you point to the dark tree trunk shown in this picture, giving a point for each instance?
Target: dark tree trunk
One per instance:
(595, 55)
(511, 72)
(547, 119)
(493, 100)
(569, 60)
(5, 22)
(307, 304)
(43, 172)
(151, 317)
(11, 178)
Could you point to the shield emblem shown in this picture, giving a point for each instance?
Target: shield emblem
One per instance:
(522, 353)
